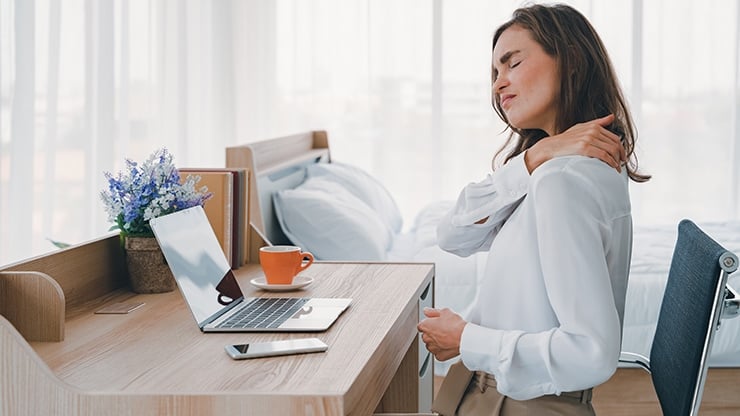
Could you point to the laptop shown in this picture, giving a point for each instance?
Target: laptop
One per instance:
(207, 283)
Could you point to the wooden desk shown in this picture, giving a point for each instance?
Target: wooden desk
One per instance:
(156, 361)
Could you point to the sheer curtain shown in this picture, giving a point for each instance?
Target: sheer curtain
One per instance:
(402, 88)
(88, 83)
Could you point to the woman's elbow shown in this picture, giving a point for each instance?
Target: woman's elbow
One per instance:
(604, 358)
(591, 363)
(446, 238)
(605, 369)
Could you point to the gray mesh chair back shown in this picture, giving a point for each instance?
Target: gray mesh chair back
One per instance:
(689, 316)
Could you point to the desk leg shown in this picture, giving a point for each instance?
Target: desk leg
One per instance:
(402, 395)
(412, 388)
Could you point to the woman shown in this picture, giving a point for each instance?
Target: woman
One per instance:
(555, 219)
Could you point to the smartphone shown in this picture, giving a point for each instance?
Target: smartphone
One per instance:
(272, 348)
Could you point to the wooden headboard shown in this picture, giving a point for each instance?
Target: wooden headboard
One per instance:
(274, 165)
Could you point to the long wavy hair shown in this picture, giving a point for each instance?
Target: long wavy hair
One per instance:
(588, 83)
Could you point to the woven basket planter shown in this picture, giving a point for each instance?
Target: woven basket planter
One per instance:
(147, 268)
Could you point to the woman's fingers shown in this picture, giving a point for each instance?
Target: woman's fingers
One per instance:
(431, 312)
(441, 332)
(606, 148)
(612, 145)
(592, 139)
(606, 120)
(613, 141)
(597, 141)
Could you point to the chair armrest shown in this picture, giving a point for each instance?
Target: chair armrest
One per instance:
(635, 359)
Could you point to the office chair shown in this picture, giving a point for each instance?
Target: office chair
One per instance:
(696, 297)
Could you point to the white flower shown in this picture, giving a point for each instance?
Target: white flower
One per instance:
(148, 191)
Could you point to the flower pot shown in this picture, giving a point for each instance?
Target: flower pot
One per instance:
(147, 268)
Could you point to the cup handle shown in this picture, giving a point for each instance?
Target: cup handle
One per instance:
(305, 255)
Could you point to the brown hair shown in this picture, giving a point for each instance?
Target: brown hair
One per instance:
(588, 82)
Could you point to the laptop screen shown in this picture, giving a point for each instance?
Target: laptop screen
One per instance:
(197, 261)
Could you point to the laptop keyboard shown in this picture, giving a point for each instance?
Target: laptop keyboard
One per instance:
(264, 313)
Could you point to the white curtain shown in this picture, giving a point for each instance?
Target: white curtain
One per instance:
(88, 83)
(402, 88)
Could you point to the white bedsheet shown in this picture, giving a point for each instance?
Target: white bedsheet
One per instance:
(457, 278)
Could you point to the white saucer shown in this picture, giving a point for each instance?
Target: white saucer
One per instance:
(298, 283)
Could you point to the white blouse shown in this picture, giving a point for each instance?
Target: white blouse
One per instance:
(548, 317)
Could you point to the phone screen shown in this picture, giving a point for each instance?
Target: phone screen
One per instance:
(242, 348)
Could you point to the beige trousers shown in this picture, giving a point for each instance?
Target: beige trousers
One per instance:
(480, 398)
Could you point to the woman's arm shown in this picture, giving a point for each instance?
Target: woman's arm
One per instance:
(590, 139)
(482, 208)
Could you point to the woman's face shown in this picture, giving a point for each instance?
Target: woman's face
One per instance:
(526, 81)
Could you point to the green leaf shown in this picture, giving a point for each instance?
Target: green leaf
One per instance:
(58, 244)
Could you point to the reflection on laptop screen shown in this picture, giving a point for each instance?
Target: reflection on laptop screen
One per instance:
(195, 258)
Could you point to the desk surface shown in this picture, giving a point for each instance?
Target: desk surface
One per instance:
(158, 348)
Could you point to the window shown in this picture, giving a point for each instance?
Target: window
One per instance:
(402, 88)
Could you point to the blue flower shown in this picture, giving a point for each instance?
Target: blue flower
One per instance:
(146, 191)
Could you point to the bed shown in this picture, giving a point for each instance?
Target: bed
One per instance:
(298, 195)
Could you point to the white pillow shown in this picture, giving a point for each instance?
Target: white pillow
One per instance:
(363, 186)
(323, 217)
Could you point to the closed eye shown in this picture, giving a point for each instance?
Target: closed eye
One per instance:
(515, 64)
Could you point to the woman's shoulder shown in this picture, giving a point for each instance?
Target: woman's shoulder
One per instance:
(583, 177)
(588, 169)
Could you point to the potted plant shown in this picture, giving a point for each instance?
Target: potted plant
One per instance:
(135, 196)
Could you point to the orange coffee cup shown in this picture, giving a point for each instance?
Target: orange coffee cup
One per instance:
(282, 263)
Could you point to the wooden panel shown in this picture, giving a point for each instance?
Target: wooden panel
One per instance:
(403, 392)
(85, 272)
(263, 158)
(27, 387)
(34, 303)
(272, 154)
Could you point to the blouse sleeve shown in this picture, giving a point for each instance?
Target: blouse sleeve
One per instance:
(573, 237)
(494, 198)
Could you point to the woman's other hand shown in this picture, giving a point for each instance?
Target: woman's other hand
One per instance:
(441, 332)
(591, 139)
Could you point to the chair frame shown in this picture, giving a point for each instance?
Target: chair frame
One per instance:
(726, 305)
(728, 263)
